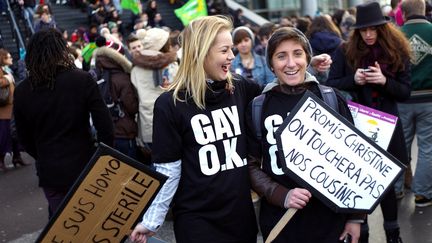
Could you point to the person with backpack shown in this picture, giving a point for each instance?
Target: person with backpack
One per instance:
(288, 56)
(113, 72)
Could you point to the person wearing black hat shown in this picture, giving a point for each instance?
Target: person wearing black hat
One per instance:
(373, 65)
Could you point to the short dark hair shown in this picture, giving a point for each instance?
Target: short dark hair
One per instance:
(266, 30)
(166, 47)
(240, 35)
(174, 36)
(303, 24)
(131, 38)
(284, 34)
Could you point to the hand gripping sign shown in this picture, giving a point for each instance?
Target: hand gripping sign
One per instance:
(106, 201)
(337, 163)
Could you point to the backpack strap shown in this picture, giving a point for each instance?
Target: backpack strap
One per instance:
(329, 96)
(257, 104)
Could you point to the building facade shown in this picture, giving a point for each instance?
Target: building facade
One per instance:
(274, 9)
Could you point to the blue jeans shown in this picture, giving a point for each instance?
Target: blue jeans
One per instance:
(126, 146)
(28, 13)
(417, 120)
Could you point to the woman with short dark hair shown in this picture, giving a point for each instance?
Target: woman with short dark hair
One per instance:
(288, 55)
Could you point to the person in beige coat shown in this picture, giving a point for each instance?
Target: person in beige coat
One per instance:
(152, 59)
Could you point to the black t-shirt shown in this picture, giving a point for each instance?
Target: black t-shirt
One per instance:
(212, 202)
(314, 223)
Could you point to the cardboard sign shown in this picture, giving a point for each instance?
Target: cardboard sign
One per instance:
(106, 202)
(326, 154)
(376, 125)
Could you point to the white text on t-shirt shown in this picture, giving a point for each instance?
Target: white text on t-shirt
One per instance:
(225, 127)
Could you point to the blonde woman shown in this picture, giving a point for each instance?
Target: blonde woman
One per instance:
(199, 141)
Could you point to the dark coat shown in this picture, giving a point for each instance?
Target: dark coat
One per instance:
(53, 125)
(122, 89)
(324, 42)
(396, 89)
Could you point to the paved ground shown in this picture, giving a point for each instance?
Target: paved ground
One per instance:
(23, 213)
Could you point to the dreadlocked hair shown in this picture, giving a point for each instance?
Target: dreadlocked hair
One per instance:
(47, 53)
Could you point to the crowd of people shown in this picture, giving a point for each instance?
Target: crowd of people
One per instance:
(182, 105)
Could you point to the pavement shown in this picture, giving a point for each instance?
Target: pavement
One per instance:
(23, 212)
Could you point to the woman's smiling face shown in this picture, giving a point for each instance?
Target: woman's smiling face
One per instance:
(218, 60)
(289, 63)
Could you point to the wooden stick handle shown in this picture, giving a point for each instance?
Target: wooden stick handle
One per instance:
(281, 224)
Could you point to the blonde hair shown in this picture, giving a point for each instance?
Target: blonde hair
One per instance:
(196, 40)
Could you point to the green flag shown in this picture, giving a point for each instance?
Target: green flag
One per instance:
(88, 50)
(132, 5)
(191, 10)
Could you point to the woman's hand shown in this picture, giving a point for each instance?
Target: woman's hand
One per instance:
(321, 63)
(375, 76)
(297, 198)
(140, 234)
(352, 229)
(360, 76)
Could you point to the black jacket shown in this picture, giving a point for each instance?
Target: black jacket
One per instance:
(395, 90)
(53, 125)
(327, 225)
(324, 42)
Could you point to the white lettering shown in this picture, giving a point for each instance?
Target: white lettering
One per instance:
(203, 134)
(209, 166)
